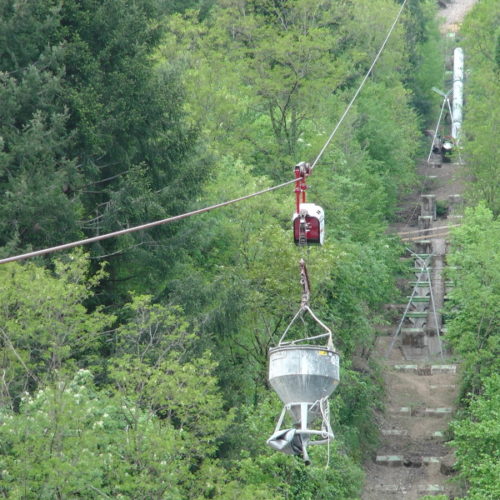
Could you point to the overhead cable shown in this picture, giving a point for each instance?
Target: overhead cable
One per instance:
(149, 225)
(428, 229)
(327, 143)
(426, 237)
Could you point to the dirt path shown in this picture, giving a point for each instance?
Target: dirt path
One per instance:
(420, 377)
(454, 13)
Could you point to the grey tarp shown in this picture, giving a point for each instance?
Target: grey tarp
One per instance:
(288, 441)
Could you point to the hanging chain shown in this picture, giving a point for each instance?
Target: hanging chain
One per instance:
(306, 285)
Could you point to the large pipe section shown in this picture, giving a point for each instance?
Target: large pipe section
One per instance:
(458, 90)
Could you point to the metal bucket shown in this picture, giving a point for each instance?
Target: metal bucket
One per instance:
(303, 374)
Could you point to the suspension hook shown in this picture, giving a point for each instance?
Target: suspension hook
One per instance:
(306, 285)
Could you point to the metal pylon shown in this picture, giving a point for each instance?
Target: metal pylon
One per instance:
(423, 281)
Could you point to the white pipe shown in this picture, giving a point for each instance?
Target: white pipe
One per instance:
(458, 85)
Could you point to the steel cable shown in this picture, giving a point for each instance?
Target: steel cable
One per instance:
(141, 227)
(149, 225)
(349, 106)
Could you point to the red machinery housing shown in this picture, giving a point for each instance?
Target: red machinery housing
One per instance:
(313, 218)
(308, 219)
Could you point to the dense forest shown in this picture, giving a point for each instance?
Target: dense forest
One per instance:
(474, 312)
(136, 367)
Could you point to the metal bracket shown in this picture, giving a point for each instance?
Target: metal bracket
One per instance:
(302, 170)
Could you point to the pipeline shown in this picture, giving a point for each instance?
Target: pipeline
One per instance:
(458, 87)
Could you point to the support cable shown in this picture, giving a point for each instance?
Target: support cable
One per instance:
(427, 229)
(327, 143)
(212, 207)
(149, 225)
(426, 237)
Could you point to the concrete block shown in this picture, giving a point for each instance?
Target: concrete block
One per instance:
(442, 388)
(428, 205)
(438, 412)
(438, 369)
(388, 488)
(403, 411)
(430, 489)
(455, 204)
(406, 368)
(424, 246)
(437, 436)
(414, 337)
(394, 432)
(390, 460)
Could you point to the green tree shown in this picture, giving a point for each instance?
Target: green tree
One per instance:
(475, 300)
(287, 60)
(156, 425)
(424, 56)
(154, 366)
(70, 440)
(481, 114)
(46, 327)
(93, 135)
(476, 439)
(473, 334)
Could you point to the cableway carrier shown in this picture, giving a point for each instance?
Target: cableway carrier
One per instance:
(308, 219)
(303, 374)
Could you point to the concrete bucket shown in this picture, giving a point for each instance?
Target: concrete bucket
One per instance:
(303, 377)
(303, 374)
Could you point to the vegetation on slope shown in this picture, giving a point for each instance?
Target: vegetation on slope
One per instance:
(146, 376)
(481, 42)
(474, 325)
(473, 332)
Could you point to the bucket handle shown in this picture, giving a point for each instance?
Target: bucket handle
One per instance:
(328, 333)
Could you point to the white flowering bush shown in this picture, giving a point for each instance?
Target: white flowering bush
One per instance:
(71, 440)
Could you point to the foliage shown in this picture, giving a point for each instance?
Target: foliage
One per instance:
(91, 133)
(425, 60)
(293, 63)
(113, 115)
(145, 432)
(476, 439)
(481, 119)
(153, 367)
(46, 327)
(70, 440)
(388, 130)
(473, 334)
(475, 300)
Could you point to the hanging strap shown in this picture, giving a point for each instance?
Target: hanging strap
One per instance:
(304, 307)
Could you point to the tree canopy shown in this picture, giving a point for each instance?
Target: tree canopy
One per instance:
(138, 369)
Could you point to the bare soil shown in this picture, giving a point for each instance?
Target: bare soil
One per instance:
(453, 14)
(414, 392)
